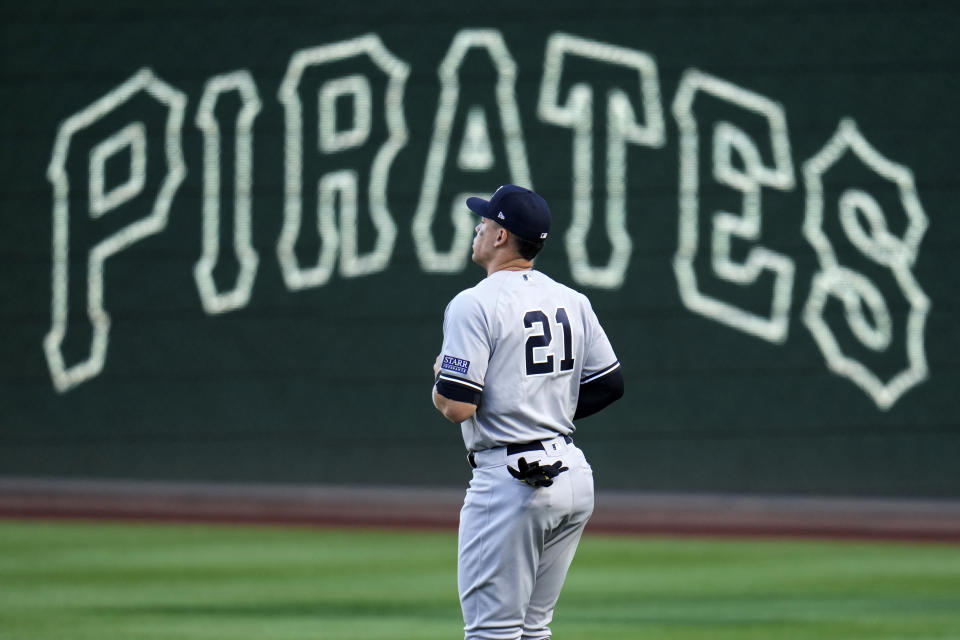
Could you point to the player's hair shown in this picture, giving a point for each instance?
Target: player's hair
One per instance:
(528, 249)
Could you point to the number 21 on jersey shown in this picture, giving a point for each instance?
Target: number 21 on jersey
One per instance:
(544, 338)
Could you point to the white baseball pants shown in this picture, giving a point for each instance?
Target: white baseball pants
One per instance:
(516, 542)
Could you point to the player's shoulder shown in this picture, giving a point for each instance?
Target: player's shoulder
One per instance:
(564, 290)
(472, 300)
(478, 292)
(486, 291)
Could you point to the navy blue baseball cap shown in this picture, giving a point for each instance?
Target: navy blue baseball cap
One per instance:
(520, 211)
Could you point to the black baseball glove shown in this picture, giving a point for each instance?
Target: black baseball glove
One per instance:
(535, 475)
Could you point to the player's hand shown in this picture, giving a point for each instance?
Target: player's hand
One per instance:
(436, 365)
(535, 475)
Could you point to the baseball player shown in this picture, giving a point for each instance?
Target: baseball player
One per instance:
(522, 358)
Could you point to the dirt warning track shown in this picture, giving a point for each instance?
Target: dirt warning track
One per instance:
(438, 508)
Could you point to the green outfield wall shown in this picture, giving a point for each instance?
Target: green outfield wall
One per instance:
(230, 229)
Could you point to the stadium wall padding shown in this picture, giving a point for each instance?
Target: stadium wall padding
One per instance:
(230, 230)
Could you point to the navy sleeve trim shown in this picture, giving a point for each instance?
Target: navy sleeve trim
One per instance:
(449, 377)
(601, 373)
(459, 390)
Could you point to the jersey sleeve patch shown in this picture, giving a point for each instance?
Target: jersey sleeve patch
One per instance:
(458, 365)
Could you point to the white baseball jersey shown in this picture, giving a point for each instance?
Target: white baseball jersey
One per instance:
(519, 345)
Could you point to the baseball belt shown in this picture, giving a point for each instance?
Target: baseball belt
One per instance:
(520, 447)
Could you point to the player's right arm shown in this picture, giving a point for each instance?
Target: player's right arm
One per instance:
(452, 410)
(460, 368)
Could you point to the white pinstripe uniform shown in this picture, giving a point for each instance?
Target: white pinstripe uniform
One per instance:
(519, 345)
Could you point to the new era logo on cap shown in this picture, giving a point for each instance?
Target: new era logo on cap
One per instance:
(518, 210)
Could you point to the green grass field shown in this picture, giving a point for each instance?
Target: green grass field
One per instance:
(96, 581)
